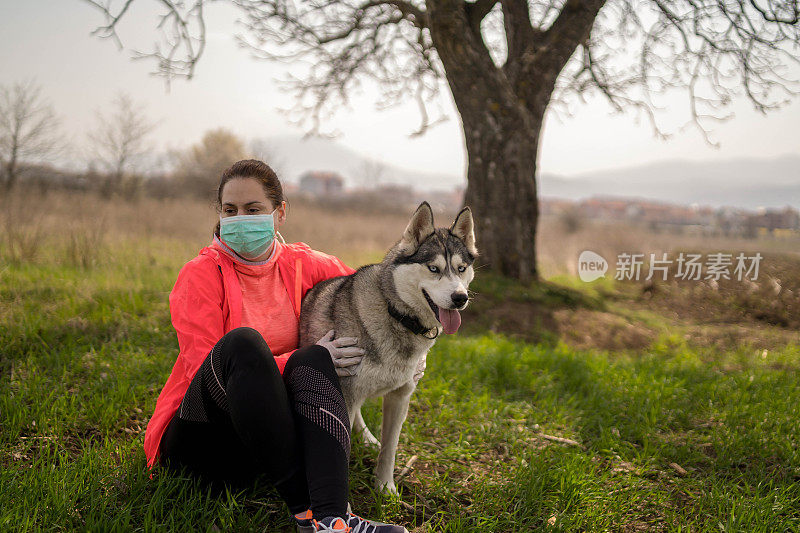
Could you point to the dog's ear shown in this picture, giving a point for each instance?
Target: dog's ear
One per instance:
(419, 228)
(464, 228)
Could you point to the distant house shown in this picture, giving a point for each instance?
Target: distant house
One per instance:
(555, 206)
(321, 183)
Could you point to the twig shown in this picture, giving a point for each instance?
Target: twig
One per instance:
(408, 506)
(561, 440)
(678, 468)
(409, 465)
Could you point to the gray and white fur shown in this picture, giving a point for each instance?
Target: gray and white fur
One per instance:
(436, 262)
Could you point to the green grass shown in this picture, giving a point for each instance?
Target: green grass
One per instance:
(84, 353)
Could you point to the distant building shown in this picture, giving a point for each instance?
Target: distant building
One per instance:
(321, 183)
(695, 218)
(555, 206)
(656, 214)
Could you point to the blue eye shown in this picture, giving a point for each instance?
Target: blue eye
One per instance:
(433, 268)
(462, 268)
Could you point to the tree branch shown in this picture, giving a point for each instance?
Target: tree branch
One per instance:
(712, 49)
(477, 11)
(183, 30)
(520, 36)
(410, 12)
(569, 30)
(110, 29)
(343, 43)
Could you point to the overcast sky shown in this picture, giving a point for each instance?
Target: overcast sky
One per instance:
(49, 40)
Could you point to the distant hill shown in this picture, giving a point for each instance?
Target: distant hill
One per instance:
(750, 183)
(294, 156)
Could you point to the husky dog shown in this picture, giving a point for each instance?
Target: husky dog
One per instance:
(396, 309)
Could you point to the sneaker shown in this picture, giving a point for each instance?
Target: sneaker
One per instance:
(304, 522)
(331, 524)
(360, 525)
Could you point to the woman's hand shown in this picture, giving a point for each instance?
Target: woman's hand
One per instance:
(346, 357)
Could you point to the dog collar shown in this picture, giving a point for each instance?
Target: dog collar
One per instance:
(412, 323)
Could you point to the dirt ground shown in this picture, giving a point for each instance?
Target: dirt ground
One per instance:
(632, 315)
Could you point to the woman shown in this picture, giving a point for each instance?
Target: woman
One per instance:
(243, 401)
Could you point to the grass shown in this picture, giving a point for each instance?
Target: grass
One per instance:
(672, 435)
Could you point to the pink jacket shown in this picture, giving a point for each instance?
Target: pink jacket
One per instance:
(206, 303)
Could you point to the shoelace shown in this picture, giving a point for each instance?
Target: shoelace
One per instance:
(362, 526)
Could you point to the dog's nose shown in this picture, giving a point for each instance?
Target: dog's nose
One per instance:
(459, 298)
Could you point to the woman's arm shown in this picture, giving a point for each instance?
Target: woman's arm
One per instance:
(195, 305)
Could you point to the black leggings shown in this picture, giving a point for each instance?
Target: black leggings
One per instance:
(240, 420)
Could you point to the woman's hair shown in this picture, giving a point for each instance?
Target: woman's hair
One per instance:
(257, 170)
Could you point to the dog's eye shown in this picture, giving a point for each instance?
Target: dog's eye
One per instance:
(462, 268)
(433, 268)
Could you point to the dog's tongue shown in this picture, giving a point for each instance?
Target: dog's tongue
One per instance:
(450, 319)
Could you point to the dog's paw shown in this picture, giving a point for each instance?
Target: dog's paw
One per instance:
(386, 487)
(369, 439)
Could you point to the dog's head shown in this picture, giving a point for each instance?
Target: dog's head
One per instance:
(432, 267)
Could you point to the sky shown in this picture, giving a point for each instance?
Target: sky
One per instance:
(50, 41)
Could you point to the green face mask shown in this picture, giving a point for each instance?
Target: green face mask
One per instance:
(248, 235)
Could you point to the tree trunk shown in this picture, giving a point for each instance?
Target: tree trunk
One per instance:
(11, 171)
(501, 192)
(501, 131)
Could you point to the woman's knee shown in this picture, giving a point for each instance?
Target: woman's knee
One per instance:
(244, 335)
(314, 356)
(246, 345)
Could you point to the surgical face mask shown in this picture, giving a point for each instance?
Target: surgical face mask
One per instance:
(248, 235)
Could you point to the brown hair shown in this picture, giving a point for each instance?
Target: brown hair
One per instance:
(257, 170)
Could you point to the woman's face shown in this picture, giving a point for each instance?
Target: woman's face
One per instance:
(246, 196)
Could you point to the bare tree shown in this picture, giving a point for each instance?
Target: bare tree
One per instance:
(370, 172)
(506, 62)
(119, 140)
(201, 165)
(28, 130)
